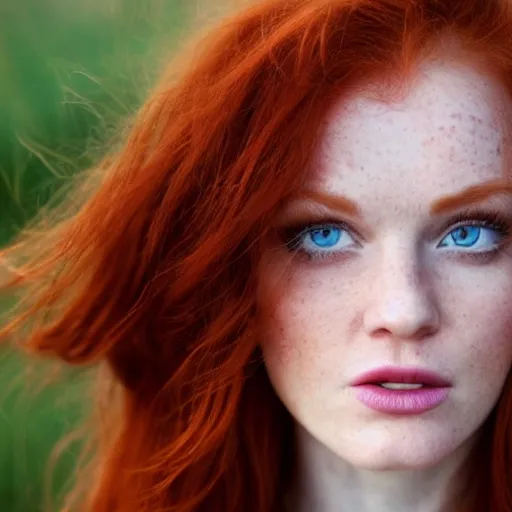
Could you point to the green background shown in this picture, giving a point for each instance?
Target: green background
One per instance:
(70, 72)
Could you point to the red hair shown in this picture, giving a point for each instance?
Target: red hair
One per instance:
(154, 271)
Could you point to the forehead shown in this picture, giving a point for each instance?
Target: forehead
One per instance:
(447, 132)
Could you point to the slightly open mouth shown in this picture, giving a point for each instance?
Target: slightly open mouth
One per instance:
(399, 385)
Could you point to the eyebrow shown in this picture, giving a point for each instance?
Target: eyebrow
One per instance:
(333, 202)
(446, 204)
(470, 195)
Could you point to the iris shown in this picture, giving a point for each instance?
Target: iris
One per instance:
(466, 236)
(325, 237)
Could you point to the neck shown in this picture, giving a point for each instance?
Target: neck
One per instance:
(327, 483)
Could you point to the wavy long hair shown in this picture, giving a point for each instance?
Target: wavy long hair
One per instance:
(150, 267)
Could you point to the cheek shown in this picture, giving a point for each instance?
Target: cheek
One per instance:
(478, 341)
(304, 331)
(490, 338)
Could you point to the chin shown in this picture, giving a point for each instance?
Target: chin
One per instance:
(394, 453)
(376, 462)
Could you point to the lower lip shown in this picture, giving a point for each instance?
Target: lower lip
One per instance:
(401, 401)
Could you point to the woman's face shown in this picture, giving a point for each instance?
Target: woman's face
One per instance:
(395, 259)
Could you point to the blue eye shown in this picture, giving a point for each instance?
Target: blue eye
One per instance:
(325, 237)
(319, 239)
(472, 237)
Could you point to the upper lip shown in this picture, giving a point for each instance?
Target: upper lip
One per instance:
(401, 375)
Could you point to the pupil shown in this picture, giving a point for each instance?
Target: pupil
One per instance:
(463, 233)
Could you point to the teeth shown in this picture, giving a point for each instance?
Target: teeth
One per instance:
(396, 385)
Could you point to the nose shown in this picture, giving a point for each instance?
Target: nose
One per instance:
(401, 301)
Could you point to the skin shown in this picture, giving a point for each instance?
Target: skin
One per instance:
(391, 294)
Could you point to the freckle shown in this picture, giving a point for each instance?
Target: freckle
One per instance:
(313, 285)
(441, 128)
(498, 150)
(453, 129)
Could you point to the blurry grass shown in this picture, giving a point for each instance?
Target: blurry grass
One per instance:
(31, 423)
(67, 78)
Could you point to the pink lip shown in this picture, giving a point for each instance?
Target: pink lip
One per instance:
(401, 402)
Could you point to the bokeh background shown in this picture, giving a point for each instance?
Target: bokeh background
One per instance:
(70, 72)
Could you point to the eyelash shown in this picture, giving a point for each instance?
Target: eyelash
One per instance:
(292, 235)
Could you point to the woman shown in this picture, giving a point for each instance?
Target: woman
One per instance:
(297, 269)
